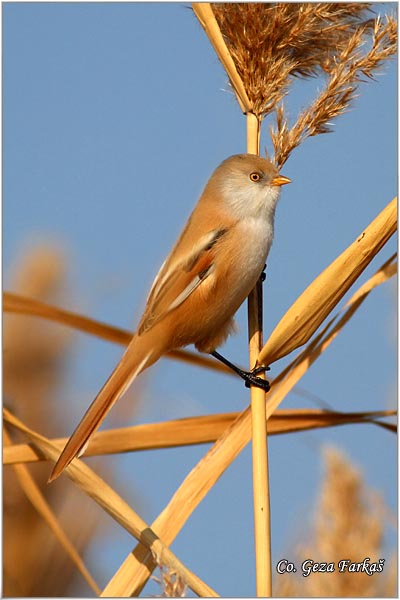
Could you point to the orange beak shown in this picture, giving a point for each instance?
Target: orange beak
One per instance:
(280, 180)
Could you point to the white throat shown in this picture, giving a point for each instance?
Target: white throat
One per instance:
(254, 201)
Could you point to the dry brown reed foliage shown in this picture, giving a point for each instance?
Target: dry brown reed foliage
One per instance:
(34, 351)
(34, 354)
(273, 43)
(349, 522)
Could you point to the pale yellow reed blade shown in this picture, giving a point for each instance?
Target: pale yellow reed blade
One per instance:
(114, 505)
(15, 303)
(38, 501)
(197, 430)
(138, 565)
(311, 308)
(288, 378)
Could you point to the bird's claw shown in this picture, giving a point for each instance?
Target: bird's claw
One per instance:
(250, 377)
(257, 382)
(263, 275)
(260, 369)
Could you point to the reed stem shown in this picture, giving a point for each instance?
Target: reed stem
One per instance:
(262, 514)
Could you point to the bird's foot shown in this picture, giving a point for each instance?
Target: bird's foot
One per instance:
(253, 380)
(260, 369)
(250, 377)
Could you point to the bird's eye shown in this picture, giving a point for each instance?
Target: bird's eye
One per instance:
(255, 177)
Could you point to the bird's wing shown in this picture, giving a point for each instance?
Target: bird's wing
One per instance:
(178, 279)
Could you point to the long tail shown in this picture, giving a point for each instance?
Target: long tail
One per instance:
(134, 360)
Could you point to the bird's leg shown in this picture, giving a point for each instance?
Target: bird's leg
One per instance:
(250, 377)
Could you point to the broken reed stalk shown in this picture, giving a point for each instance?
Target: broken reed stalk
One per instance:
(261, 501)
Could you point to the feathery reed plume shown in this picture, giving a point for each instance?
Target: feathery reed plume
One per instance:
(349, 523)
(271, 43)
(350, 67)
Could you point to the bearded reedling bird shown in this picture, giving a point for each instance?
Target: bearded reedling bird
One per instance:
(212, 268)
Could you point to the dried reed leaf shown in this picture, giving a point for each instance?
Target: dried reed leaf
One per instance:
(115, 506)
(306, 127)
(15, 303)
(171, 584)
(311, 308)
(138, 566)
(38, 501)
(210, 470)
(385, 272)
(27, 453)
(388, 426)
(296, 369)
(194, 431)
(333, 282)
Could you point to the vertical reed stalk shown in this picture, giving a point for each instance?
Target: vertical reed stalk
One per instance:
(262, 516)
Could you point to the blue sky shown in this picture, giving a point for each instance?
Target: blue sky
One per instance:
(114, 116)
